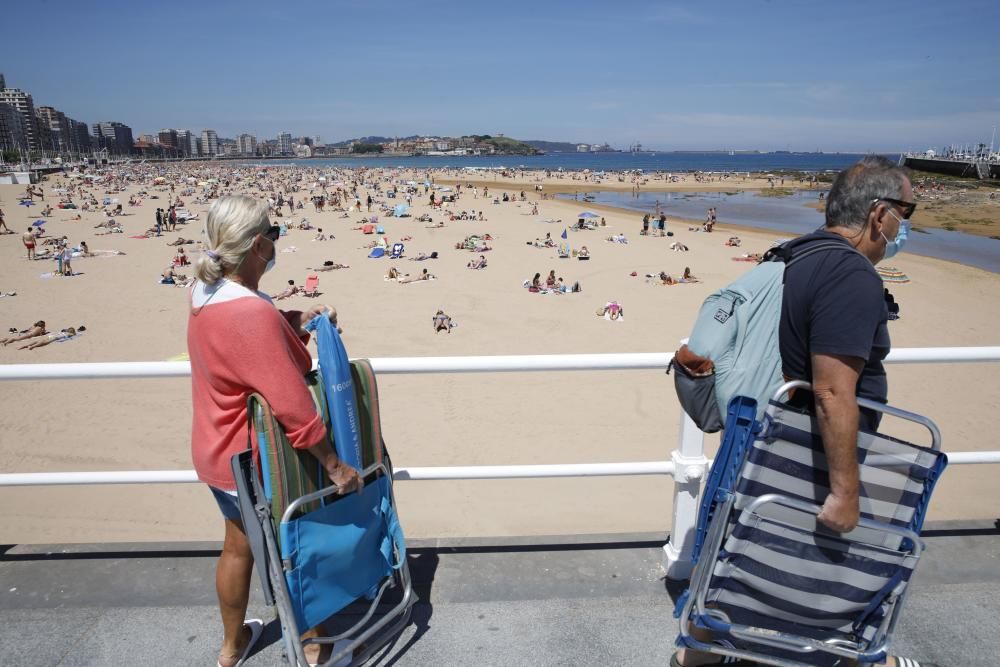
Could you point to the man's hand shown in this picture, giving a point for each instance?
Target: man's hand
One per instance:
(345, 477)
(840, 513)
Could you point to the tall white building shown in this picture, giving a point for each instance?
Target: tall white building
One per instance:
(209, 142)
(246, 144)
(24, 105)
(284, 143)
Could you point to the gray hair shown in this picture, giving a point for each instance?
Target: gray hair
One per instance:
(852, 193)
(230, 229)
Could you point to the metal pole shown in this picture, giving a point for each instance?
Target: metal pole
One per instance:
(690, 465)
(408, 474)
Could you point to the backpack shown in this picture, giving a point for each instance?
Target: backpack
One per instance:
(733, 348)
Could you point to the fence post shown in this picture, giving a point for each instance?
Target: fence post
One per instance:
(689, 467)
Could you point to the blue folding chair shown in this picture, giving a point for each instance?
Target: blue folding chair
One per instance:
(770, 582)
(325, 558)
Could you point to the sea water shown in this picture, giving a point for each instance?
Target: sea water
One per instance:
(667, 162)
(792, 215)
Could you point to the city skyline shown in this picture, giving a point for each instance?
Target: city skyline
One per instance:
(777, 76)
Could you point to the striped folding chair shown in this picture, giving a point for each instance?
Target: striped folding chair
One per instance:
(771, 583)
(318, 553)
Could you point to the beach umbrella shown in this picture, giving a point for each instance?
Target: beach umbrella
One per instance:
(26, 202)
(588, 214)
(400, 210)
(564, 234)
(38, 223)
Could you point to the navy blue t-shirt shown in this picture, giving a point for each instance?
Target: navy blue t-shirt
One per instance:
(834, 303)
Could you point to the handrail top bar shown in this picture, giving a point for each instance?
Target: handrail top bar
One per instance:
(466, 364)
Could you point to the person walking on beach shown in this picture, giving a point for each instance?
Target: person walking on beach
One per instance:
(3, 224)
(239, 344)
(159, 221)
(833, 330)
(28, 239)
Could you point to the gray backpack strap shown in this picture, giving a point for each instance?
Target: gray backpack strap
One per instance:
(819, 247)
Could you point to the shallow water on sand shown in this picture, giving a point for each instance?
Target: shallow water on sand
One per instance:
(790, 215)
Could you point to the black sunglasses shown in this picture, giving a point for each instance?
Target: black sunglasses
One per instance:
(908, 207)
(273, 233)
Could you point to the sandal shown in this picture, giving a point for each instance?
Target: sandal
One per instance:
(256, 629)
(735, 662)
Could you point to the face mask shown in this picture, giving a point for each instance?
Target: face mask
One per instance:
(894, 247)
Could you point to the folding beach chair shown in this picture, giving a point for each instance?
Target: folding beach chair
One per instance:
(323, 558)
(311, 287)
(770, 582)
(397, 251)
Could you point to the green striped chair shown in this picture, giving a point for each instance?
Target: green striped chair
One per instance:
(296, 472)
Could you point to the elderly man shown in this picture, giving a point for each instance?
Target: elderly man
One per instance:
(833, 331)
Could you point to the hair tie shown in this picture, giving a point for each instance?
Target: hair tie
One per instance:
(214, 256)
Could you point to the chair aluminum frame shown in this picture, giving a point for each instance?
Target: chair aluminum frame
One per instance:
(271, 570)
(696, 603)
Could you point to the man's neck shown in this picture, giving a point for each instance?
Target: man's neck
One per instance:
(856, 238)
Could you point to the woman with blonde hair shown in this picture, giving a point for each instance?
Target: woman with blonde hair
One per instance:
(240, 343)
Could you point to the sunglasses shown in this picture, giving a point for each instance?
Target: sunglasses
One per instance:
(908, 207)
(273, 233)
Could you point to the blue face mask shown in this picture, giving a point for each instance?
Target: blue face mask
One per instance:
(894, 247)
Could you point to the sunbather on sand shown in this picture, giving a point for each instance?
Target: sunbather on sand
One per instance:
(478, 263)
(612, 309)
(424, 275)
(393, 274)
(733, 241)
(584, 253)
(688, 277)
(180, 240)
(289, 291)
(442, 322)
(65, 334)
(422, 256)
(329, 265)
(677, 246)
(36, 329)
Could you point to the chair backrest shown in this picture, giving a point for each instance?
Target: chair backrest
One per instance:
(289, 473)
(312, 282)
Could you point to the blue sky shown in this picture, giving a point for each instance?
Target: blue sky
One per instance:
(784, 74)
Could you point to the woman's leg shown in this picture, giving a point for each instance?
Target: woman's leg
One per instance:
(232, 584)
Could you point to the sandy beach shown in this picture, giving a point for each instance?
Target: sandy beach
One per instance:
(435, 420)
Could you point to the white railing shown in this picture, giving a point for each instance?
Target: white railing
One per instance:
(687, 464)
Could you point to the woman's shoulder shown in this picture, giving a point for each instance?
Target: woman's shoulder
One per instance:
(228, 292)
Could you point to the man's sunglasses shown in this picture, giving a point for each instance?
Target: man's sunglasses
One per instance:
(908, 207)
(273, 233)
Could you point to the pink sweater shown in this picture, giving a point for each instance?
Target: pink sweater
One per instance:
(239, 343)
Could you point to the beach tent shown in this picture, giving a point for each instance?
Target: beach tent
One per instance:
(400, 210)
(377, 253)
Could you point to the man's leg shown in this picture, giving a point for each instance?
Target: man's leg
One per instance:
(232, 584)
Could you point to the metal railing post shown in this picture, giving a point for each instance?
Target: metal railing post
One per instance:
(689, 469)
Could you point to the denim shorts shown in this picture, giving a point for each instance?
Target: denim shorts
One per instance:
(228, 504)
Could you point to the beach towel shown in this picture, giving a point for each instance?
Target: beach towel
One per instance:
(139, 236)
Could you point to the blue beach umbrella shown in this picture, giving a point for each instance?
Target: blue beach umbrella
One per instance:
(564, 234)
(38, 223)
(588, 214)
(400, 210)
(27, 202)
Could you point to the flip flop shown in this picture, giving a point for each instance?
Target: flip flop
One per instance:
(343, 662)
(256, 628)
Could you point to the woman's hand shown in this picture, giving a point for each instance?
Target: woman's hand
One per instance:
(344, 476)
(319, 310)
